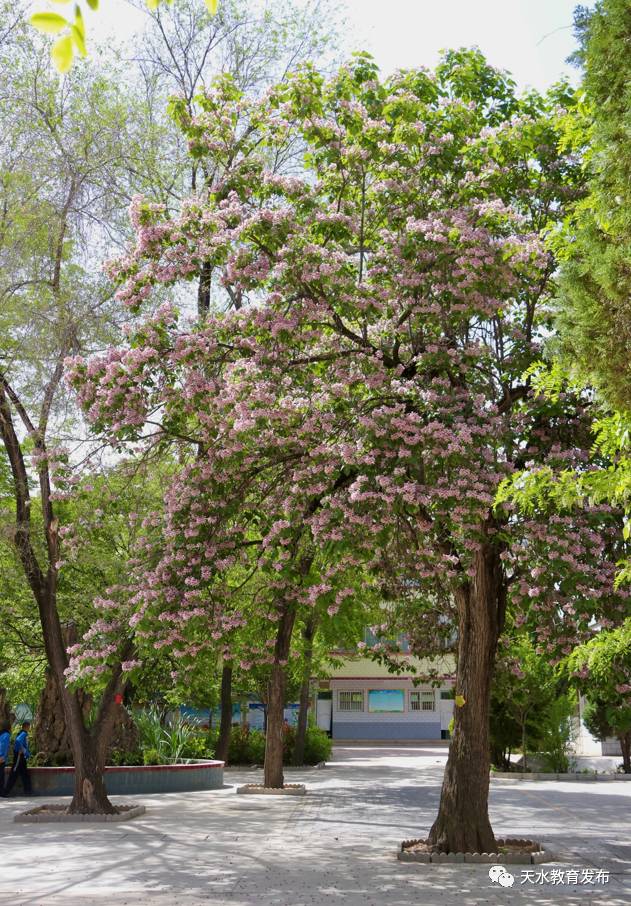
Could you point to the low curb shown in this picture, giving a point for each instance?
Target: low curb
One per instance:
(574, 778)
(524, 858)
(34, 816)
(186, 776)
(257, 789)
(286, 767)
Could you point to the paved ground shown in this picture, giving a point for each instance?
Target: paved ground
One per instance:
(334, 846)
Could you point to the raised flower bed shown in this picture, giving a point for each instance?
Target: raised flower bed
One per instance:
(182, 777)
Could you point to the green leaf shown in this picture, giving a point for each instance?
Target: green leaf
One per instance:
(93, 4)
(79, 40)
(211, 5)
(62, 53)
(49, 23)
(153, 4)
(460, 701)
(78, 21)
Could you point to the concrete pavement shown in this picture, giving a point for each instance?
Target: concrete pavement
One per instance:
(335, 846)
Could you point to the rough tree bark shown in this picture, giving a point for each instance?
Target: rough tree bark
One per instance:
(462, 824)
(5, 707)
(50, 735)
(308, 634)
(225, 723)
(625, 746)
(203, 291)
(273, 769)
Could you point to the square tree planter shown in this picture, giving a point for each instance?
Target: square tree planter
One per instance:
(257, 789)
(515, 852)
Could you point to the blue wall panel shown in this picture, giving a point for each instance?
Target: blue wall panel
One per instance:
(381, 729)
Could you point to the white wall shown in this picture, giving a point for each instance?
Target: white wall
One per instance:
(393, 717)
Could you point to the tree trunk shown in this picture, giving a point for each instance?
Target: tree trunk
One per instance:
(5, 707)
(203, 291)
(50, 735)
(225, 722)
(625, 745)
(273, 770)
(462, 824)
(90, 795)
(524, 764)
(303, 711)
(88, 749)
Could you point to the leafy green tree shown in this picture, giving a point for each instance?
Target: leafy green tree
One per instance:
(56, 160)
(601, 670)
(524, 687)
(594, 312)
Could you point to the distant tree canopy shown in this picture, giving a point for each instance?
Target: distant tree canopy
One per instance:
(71, 31)
(594, 301)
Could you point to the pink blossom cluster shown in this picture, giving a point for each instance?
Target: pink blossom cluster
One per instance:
(356, 405)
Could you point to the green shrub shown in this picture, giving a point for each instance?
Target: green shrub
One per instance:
(152, 756)
(167, 739)
(317, 746)
(289, 743)
(256, 747)
(197, 746)
(125, 757)
(248, 746)
(557, 736)
(211, 737)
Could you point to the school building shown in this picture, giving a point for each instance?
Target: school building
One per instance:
(362, 702)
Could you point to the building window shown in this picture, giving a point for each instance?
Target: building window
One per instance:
(350, 701)
(423, 700)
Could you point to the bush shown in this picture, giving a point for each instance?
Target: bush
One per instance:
(246, 746)
(289, 743)
(317, 746)
(168, 740)
(152, 756)
(198, 746)
(557, 736)
(119, 757)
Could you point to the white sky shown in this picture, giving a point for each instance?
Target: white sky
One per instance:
(529, 38)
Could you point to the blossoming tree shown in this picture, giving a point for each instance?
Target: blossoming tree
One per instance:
(367, 392)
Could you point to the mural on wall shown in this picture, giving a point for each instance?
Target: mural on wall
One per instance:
(382, 701)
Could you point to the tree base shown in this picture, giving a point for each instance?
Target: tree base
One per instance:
(511, 850)
(289, 789)
(59, 814)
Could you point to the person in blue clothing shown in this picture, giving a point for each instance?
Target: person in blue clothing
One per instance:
(21, 755)
(5, 742)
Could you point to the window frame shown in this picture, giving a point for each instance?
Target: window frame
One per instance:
(416, 695)
(350, 693)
